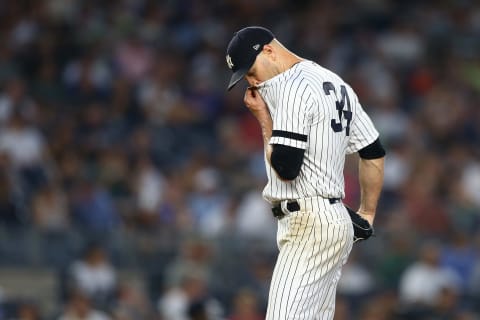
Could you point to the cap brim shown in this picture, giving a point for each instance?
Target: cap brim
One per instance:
(236, 77)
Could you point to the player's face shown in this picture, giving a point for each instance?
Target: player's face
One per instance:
(254, 76)
(262, 70)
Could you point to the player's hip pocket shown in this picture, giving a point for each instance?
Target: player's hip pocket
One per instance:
(309, 226)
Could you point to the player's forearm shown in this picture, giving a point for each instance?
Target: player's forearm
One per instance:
(266, 124)
(371, 182)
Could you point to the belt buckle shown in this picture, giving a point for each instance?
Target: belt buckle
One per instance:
(281, 209)
(284, 207)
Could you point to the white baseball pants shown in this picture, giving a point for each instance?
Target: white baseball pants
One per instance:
(314, 244)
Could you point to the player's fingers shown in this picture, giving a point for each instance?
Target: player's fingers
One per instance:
(249, 97)
(250, 93)
(247, 94)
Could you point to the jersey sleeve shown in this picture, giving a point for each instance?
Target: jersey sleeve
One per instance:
(291, 119)
(362, 130)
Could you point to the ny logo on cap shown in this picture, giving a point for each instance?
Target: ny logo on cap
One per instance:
(229, 61)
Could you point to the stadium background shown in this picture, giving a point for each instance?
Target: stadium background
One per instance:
(130, 182)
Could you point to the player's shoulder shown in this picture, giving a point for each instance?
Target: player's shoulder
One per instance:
(321, 74)
(327, 74)
(296, 77)
(313, 73)
(305, 72)
(310, 76)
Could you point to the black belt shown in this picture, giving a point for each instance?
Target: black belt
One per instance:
(293, 206)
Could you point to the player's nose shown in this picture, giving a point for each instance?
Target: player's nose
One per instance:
(251, 81)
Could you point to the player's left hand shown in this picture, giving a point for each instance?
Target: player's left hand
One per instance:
(362, 229)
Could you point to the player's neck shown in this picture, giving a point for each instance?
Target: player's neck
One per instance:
(285, 58)
(289, 61)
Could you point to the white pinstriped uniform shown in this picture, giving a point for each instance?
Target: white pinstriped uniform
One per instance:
(313, 109)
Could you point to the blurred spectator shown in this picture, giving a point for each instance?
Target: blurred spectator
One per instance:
(8, 70)
(423, 281)
(87, 78)
(134, 58)
(193, 255)
(447, 304)
(459, 256)
(27, 154)
(257, 276)
(11, 214)
(473, 289)
(27, 311)
(191, 295)
(160, 94)
(79, 307)
(51, 218)
(50, 209)
(94, 129)
(15, 100)
(174, 210)
(93, 208)
(208, 202)
(426, 212)
(402, 44)
(149, 188)
(380, 307)
(205, 309)
(70, 168)
(254, 218)
(393, 263)
(464, 214)
(342, 310)
(470, 182)
(245, 306)
(113, 170)
(94, 276)
(202, 97)
(131, 303)
(397, 170)
(46, 87)
(356, 283)
(356, 280)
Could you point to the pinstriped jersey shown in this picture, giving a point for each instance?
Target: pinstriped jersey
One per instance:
(313, 109)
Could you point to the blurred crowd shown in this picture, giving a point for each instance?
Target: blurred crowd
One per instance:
(120, 152)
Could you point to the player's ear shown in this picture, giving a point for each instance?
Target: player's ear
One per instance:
(269, 51)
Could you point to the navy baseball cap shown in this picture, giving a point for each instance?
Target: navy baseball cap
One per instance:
(243, 49)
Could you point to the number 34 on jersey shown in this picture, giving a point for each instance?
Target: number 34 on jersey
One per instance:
(343, 106)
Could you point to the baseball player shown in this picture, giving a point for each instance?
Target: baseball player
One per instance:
(310, 119)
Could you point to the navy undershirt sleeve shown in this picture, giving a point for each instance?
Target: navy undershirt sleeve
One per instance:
(374, 150)
(286, 161)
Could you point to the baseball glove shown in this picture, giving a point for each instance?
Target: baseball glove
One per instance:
(362, 230)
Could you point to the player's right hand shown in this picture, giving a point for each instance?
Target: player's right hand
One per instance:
(254, 102)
